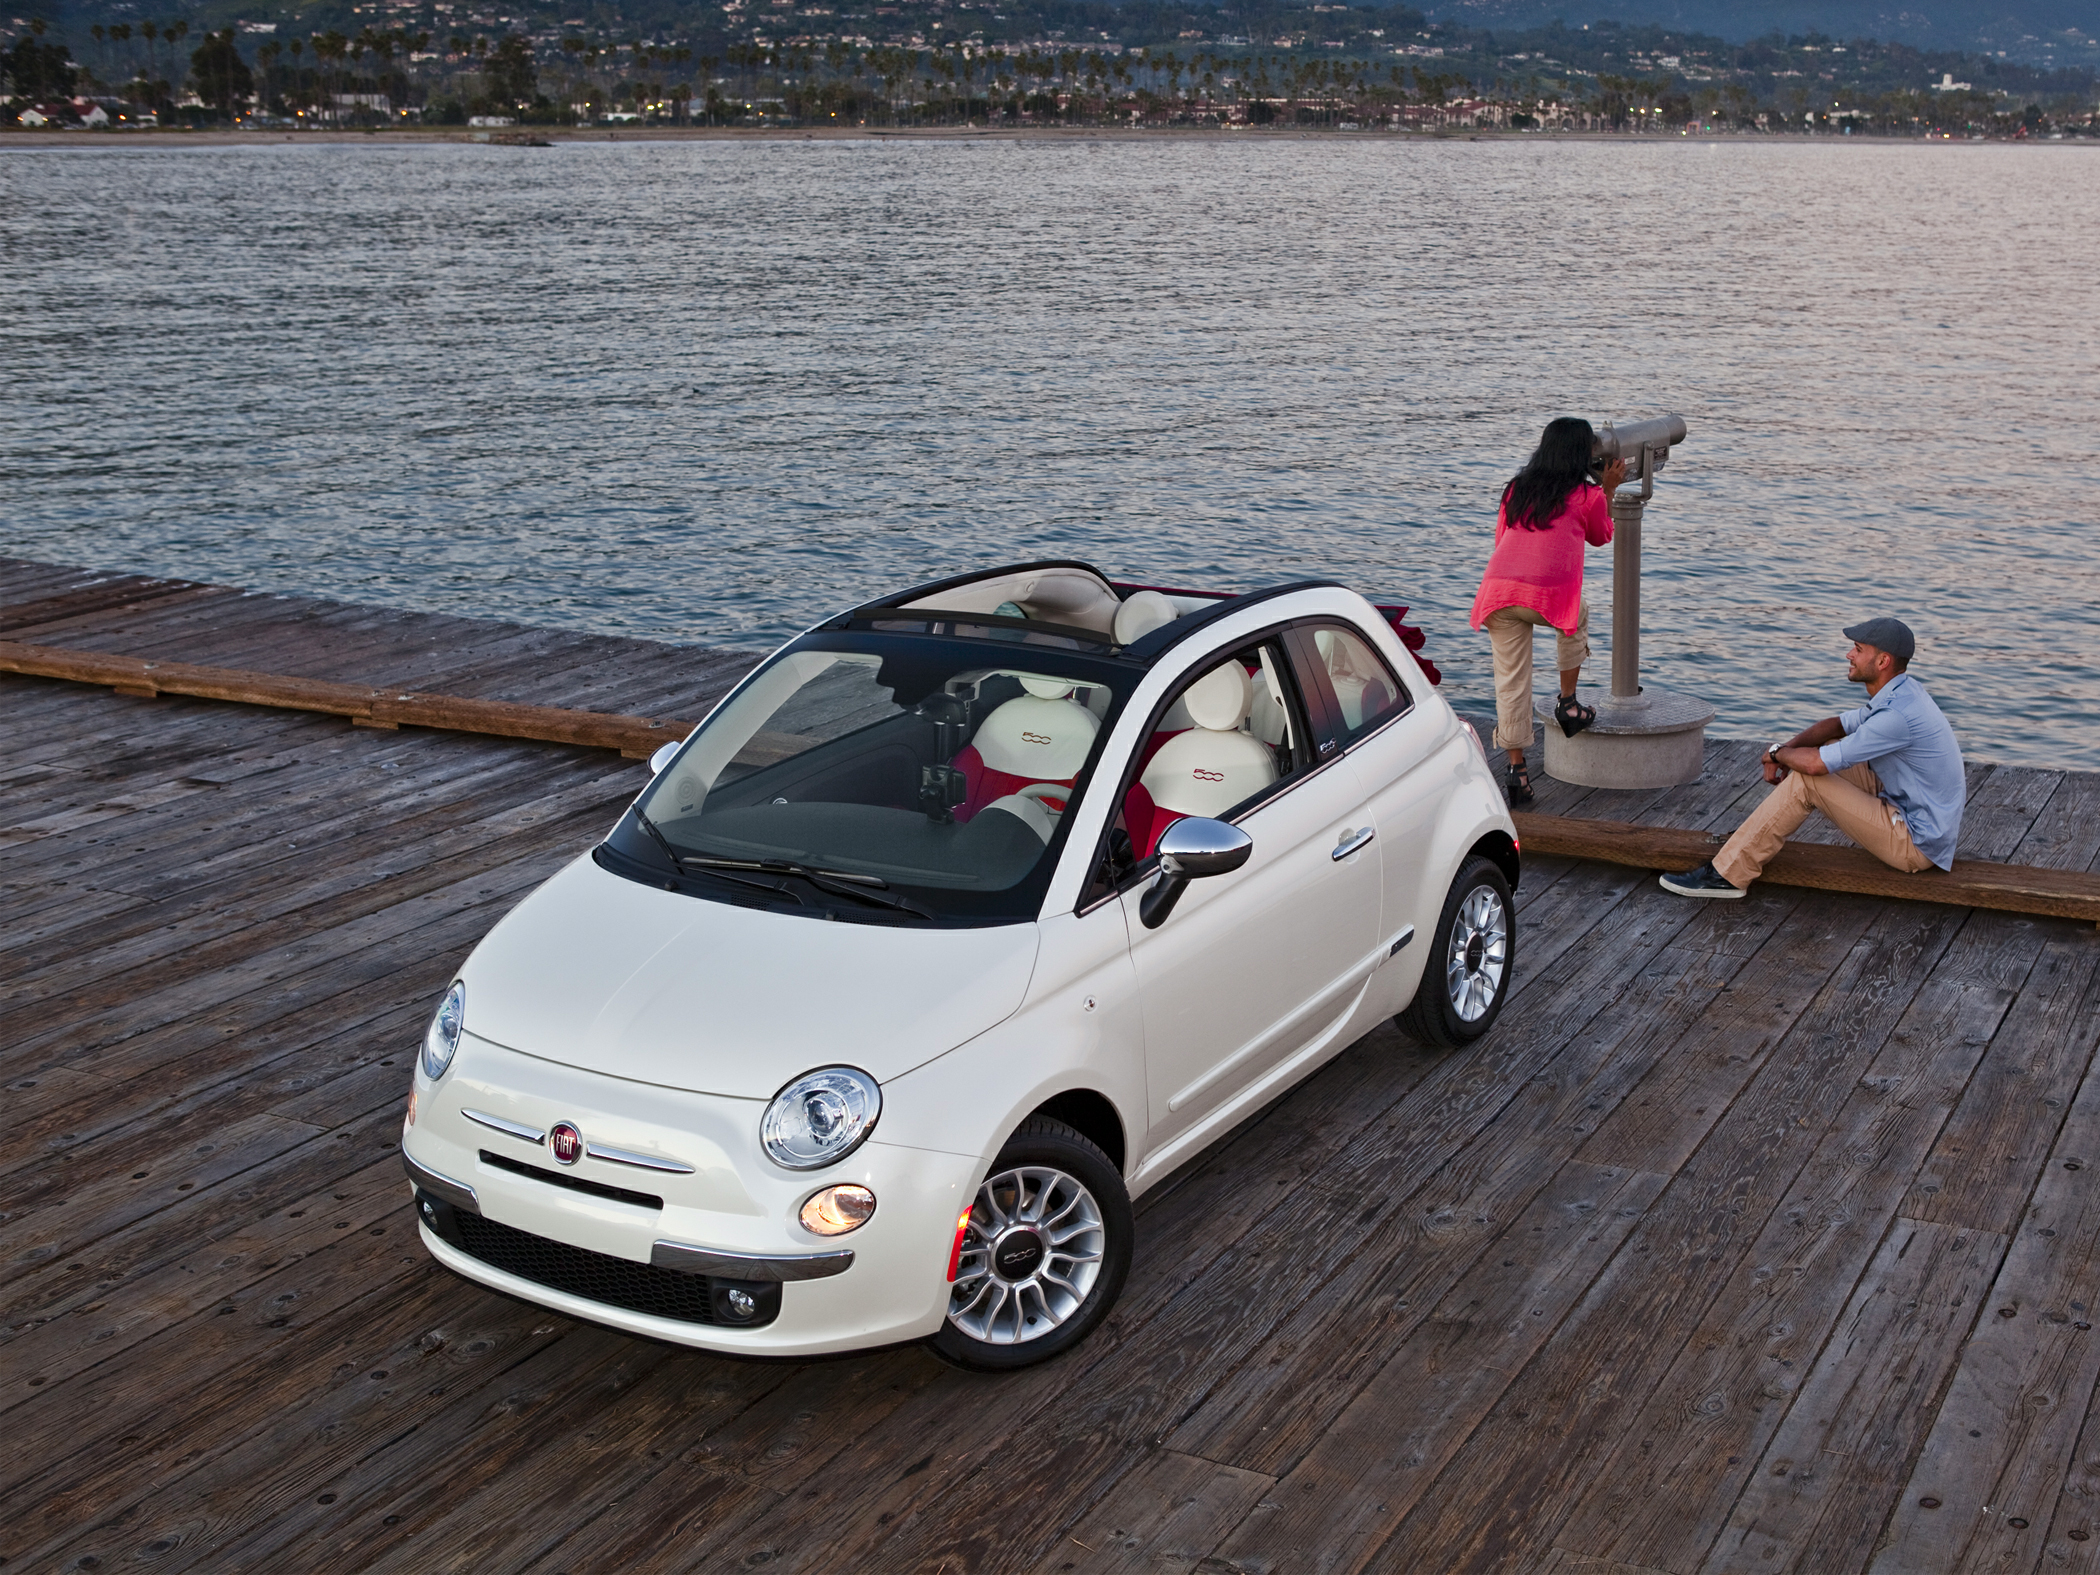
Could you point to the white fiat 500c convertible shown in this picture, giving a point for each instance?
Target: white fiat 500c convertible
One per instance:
(966, 917)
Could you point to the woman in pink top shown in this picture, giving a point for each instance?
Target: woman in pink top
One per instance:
(1550, 510)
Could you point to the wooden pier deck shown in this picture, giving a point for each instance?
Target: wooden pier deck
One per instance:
(1758, 1236)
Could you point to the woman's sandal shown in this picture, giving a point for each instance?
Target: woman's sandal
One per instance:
(1517, 784)
(1573, 716)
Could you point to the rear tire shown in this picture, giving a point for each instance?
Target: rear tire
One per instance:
(1046, 1255)
(1472, 958)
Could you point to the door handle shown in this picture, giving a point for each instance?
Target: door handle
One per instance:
(1351, 842)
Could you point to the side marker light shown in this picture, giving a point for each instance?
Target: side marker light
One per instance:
(962, 1228)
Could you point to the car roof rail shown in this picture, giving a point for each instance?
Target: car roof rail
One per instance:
(1151, 646)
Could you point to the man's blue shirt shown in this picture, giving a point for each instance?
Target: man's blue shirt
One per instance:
(1905, 738)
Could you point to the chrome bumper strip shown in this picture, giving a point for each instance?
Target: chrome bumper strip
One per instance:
(621, 1156)
(456, 1193)
(748, 1266)
(516, 1129)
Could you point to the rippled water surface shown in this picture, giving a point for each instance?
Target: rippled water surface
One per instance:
(710, 391)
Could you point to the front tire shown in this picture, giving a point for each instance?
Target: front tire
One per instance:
(1472, 958)
(1045, 1255)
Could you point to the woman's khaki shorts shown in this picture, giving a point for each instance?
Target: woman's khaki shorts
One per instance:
(1510, 630)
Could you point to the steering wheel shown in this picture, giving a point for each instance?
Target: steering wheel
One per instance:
(1053, 796)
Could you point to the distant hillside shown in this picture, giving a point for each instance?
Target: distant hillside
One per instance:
(2041, 32)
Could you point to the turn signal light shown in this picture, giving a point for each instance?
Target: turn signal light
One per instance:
(836, 1210)
(962, 1228)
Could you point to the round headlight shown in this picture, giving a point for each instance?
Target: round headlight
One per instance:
(820, 1118)
(443, 1038)
(836, 1210)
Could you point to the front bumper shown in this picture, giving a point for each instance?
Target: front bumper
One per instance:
(713, 1256)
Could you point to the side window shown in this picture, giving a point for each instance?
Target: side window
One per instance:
(1226, 740)
(1354, 687)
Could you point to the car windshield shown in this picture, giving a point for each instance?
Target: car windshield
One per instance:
(888, 776)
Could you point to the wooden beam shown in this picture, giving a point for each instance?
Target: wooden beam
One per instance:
(2010, 888)
(636, 737)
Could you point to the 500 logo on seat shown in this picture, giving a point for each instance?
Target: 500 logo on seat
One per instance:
(1207, 776)
(1036, 738)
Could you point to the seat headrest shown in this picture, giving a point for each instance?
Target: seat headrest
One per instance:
(1045, 688)
(1141, 614)
(1219, 699)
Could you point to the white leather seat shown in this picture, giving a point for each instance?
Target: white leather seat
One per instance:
(1360, 692)
(1140, 614)
(1212, 766)
(1143, 612)
(1043, 735)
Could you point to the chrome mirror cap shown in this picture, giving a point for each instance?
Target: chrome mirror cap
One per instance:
(663, 756)
(1188, 850)
(1196, 847)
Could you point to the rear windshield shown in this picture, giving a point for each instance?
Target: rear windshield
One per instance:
(884, 777)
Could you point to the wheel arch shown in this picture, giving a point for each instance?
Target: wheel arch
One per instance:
(1502, 848)
(1093, 1115)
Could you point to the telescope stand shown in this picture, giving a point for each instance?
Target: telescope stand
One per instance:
(1643, 737)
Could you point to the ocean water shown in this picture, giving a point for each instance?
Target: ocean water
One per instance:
(712, 391)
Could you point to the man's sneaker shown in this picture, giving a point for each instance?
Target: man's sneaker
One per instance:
(1705, 881)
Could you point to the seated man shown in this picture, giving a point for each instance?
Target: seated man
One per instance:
(1888, 775)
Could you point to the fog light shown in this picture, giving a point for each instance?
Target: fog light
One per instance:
(742, 1304)
(836, 1210)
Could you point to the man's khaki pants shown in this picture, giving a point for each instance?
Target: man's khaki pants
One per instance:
(1510, 630)
(1848, 797)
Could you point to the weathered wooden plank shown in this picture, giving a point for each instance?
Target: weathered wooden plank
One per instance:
(657, 1477)
(1996, 1462)
(1813, 1503)
(1505, 1494)
(345, 950)
(2066, 834)
(1163, 1518)
(2001, 810)
(1688, 1448)
(68, 608)
(2006, 887)
(390, 1337)
(1982, 1170)
(632, 736)
(104, 1321)
(1371, 1465)
(405, 845)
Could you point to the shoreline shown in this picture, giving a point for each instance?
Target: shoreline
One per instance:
(438, 136)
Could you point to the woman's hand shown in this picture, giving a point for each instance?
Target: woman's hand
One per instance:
(1614, 474)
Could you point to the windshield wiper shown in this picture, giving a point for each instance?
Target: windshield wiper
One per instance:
(842, 883)
(714, 867)
(838, 884)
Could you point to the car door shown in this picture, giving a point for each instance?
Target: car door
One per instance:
(1255, 966)
(1362, 711)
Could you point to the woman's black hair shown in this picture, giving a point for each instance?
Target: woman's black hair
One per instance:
(1559, 465)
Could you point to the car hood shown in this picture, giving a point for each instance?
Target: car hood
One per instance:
(608, 975)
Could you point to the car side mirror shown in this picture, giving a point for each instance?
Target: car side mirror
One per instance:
(663, 756)
(1190, 850)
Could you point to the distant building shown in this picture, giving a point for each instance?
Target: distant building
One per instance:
(492, 120)
(1947, 84)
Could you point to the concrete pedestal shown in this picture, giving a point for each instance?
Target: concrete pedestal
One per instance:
(1656, 738)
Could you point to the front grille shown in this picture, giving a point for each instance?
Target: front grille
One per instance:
(596, 1189)
(595, 1276)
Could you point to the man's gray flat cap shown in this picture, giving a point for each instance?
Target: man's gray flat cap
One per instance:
(1886, 634)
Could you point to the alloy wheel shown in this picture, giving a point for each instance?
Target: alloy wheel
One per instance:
(1479, 956)
(1030, 1256)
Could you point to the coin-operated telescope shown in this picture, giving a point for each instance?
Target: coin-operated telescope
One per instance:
(1643, 737)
